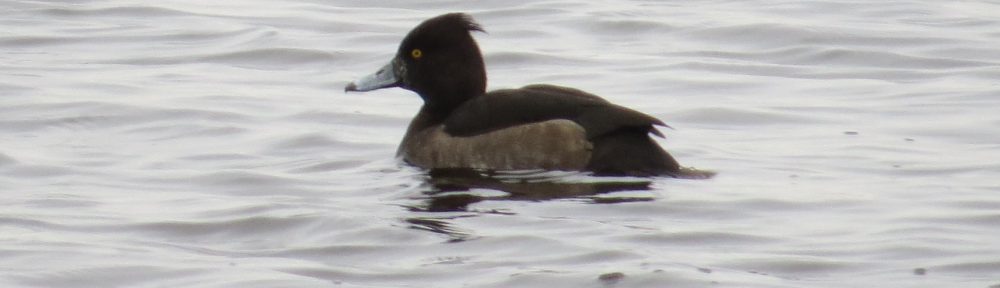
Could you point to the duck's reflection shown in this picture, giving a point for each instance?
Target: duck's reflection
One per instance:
(440, 226)
(454, 190)
(451, 190)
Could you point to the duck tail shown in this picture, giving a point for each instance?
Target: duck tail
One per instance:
(631, 152)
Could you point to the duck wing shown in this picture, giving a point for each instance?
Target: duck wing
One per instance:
(536, 103)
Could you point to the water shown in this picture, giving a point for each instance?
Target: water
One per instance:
(184, 144)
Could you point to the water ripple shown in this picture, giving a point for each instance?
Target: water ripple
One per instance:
(150, 144)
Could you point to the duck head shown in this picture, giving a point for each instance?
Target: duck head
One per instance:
(439, 60)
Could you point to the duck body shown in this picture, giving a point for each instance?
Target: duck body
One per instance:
(534, 127)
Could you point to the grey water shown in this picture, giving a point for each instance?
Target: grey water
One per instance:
(209, 144)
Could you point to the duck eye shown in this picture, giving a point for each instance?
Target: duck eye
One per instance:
(416, 53)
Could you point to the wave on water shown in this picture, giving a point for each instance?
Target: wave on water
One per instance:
(151, 144)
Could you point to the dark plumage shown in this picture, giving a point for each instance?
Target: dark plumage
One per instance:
(535, 127)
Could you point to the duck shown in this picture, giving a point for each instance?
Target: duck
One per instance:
(535, 127)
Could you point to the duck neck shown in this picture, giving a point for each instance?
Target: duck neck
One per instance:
(439, 104)
(459, 82)
(438, 111)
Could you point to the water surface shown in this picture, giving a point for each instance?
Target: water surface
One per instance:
(185, 144)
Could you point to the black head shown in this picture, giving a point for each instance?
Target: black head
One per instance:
(439, 60)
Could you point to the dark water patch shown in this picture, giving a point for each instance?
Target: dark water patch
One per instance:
(6, 160)
(933, 235)
(731, 117)
(765, 55)
(108, 276)
(84, 36)
(532, 59)
(523, 34)
(27, 223)
(819, 71)
(331, 118)
(178, 132)
(737, 68)
(966, 219)
(273, 58)
(236, 108)
(702, 239)
(598, 256)
(879, 59)
(984, 205)
(28, 171)
(62, 201)
(971, 267)
(199, 114)
(985, 97)
(949, 22)
(124, 11)
(531, 10)
(856, 58)
(67, 123)
(770, 204)
(911, 252)
(181, 38)
(797, 267)
(982, 54)
(243, 182)
(328, 166)
(99, 116)
(311, 142)
(15, 89)
(262, 58)
(339, 252)
(236, 211)
(573, 278)
(381, 277)
(940, 170)
(687, 210)
(207, 230)
(216, 159)
(625, 28)
(36, 41)
(214, 230)
(777, 35)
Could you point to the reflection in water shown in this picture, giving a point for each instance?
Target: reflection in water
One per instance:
(453, 190)
(440, 226)
(447, 187)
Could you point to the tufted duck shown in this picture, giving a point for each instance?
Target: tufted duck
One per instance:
(535, 127)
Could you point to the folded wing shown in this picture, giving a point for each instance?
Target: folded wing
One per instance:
(536, 103)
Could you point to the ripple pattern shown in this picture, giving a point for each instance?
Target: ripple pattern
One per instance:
(197, 144)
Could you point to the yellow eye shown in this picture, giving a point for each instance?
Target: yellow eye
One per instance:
(416, 53)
